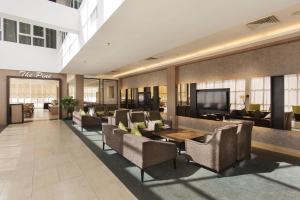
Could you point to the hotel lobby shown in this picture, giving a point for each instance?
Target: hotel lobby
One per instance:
(133, 99)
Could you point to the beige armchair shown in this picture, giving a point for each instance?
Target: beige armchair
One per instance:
(217, 152)
(244, 137)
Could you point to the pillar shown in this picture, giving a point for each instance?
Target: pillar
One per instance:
(171, 104)
(79, 91)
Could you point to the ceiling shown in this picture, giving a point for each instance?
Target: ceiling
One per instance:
(169, 29)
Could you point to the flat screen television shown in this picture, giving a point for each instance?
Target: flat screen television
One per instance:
(213, 100)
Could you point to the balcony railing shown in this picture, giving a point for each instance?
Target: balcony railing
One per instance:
(70, 3)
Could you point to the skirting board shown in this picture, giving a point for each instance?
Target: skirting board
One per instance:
(277, 149)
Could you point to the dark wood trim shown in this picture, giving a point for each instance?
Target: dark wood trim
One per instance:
(277, 102)
(21, 77)
(193, 99)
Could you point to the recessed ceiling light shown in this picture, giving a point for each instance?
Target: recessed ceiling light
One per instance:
(152, 58)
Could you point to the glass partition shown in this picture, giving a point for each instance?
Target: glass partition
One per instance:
(91, 90)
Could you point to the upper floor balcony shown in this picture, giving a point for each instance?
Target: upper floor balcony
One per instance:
(70, 3)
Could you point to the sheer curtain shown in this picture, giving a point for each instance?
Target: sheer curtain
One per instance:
(291, 91)
(261, 92)
(33, 91)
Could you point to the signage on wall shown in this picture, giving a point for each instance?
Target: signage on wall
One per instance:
(35, 74)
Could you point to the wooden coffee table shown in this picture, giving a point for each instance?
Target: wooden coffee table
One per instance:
(180, 135)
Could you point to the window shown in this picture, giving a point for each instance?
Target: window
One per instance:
(183, 97)
(24, 33)
(111, 92)
(33, 91)
(50, 38)
(0, 28)
(91, 90)
(291, 91)
(261, 92)
(10, 30)
(75, 3)
(38, 39)
(163, 95)
(237, 90)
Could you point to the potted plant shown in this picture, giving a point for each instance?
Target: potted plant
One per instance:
(68, 103)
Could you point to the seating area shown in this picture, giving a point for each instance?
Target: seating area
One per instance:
(139, 137)
(150, 100)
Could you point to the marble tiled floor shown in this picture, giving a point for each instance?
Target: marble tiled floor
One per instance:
(44, 160)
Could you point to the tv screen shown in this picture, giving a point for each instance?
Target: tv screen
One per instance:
(215, 99)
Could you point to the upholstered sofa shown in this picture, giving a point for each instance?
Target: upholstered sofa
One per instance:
(141, 151)
(262, 119)
(86, 121)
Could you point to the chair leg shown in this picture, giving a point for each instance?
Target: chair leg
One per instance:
(142, 175)
(81, 129)
(103, 146)
(174, 163)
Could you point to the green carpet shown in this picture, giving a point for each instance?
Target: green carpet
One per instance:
(266, 176)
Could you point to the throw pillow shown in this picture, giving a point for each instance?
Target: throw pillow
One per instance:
(139, 124)
(100, 113)
(122, 127)
(159, 122)
(135, 131)
(82, 113)
(268, 116)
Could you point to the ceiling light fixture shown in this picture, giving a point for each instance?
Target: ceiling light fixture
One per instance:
(217, 49)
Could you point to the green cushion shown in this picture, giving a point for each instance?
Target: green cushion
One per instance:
(82, 113)
(254, 107)
(159, 122)
(100, 113)
(136, 131)
(139, 124)
(296, 109)
(122, 127)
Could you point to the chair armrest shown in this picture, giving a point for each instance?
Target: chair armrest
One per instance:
(197, 150)
(168, 122)
(119, 132)
(155, 152)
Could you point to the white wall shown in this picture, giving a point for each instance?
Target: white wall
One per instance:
(90, 22)
(17, 56)
(42, 12)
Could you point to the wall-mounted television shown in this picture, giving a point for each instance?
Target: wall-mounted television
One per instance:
(214, 100)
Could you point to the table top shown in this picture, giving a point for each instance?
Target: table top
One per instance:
(180, 135)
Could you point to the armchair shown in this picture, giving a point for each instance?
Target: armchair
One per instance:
(217, 152)
(296, 110)
(139, 120)
(120, 116)
(86, 121)
(244, 137)
(156, 118)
